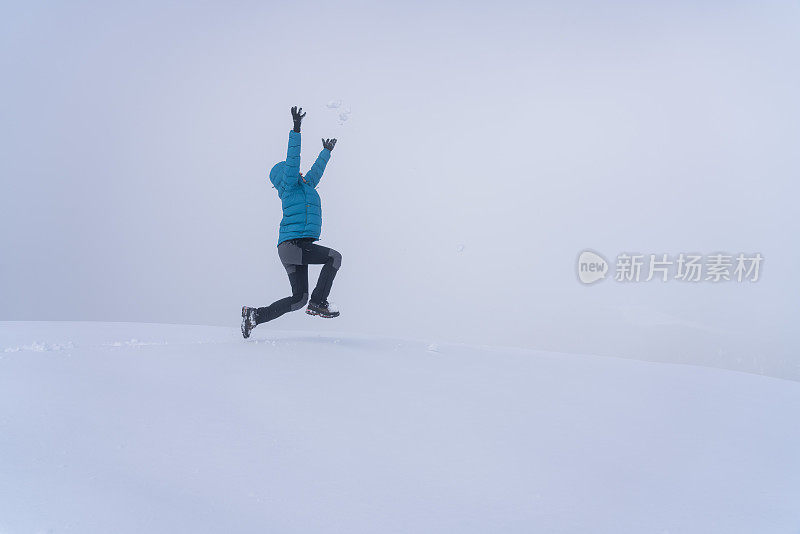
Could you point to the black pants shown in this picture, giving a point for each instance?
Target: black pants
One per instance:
(296, 255)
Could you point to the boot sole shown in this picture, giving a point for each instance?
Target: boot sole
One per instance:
(245, 333)
(319, 314)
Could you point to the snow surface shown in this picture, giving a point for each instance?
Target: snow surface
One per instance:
(124, 427)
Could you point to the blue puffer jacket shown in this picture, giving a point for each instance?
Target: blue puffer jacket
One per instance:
(302, 208)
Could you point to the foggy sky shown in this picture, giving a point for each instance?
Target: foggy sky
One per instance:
(487, 145)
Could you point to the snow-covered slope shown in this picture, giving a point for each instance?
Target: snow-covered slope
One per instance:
(132, 428)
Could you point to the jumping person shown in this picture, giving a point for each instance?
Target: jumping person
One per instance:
(300, 227)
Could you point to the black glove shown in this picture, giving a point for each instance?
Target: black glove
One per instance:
(297, 117)
(329, 143)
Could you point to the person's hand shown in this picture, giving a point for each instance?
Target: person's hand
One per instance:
(329, 143)
(297, 117)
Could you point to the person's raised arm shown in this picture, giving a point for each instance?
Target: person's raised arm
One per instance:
(292, 168)
(314, 175)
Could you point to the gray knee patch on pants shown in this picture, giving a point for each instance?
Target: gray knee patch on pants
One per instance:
(337, 258)
(297, 304)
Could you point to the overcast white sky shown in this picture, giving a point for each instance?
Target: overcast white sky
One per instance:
(137, 139)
